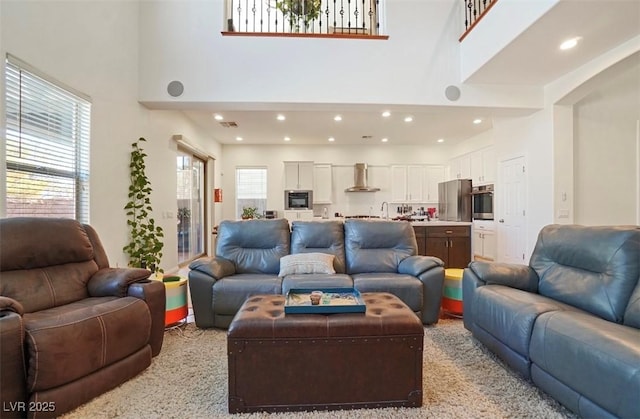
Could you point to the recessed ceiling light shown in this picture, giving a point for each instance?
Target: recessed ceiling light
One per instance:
(218, 117)
(570, 43)
(384, 140)
(238, 138)
(441, 140)
(386, 114)
(331, 139)
(281, 117)
(287, 139)
(408, 119)
(477, 121)
(337, 118)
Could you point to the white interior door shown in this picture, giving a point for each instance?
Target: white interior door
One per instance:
(512, 211)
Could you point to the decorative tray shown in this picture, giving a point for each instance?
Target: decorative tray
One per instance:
(331, 300)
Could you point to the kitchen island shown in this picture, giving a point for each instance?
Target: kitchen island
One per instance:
(447, 240)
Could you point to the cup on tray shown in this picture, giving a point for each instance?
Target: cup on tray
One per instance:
(315, 297)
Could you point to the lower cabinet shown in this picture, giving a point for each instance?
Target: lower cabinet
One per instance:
(452, 244)
(484, 245)
(298, 215)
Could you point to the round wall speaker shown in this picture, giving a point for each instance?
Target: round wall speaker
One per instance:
(452, 93)
(175, 88)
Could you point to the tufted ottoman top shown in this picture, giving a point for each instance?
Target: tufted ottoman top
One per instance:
(263, 317)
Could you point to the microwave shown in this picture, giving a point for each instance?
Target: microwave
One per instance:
(482, 202)
(298, 200)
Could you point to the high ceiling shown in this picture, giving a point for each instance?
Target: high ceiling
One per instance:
(532, 59)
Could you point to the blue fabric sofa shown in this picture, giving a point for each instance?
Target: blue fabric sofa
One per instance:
(569, 321)
(367, 255)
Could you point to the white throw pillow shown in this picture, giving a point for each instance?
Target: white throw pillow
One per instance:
(307, 263)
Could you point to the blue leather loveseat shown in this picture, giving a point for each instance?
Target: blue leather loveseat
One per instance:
(570, 320)
(371, 256)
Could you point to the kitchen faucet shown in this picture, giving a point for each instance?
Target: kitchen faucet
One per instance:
(386, 217)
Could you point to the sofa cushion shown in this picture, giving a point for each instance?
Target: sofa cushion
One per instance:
(406, 287)
(594, 357)
(307, 263)
(377, 246)
(104, 330)
(325, 237)
(592, 268)
(509, 314)
(230, 292)
(254, 246)
(316, 281)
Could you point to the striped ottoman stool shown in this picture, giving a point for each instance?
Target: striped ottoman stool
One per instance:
(452, 292)
(176, 308)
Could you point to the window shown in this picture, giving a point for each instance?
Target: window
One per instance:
(251, 189)
(47, 146)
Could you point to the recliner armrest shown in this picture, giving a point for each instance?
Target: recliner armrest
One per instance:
(115, 281)
(215, 267)
(9, 304)
(154, 294)
(416, 265)
(521, 277)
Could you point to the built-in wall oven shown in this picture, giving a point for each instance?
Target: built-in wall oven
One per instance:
(482, 201)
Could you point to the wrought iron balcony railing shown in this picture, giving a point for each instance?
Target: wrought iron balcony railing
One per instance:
(474, 10)
(304, 17)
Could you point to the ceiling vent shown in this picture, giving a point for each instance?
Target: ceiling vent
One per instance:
(360, 174)
(230, 124)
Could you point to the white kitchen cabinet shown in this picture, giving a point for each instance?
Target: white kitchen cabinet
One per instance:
(298, 175)
(407, 183)
(322, 181)
(460, 167)
(433, 176)
(483, 166)
(298, 215)
(484, 241)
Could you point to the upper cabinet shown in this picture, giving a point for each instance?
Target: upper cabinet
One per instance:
(322, 181)
(460, 167)
(298, 175)
(479, 166)
(483, 166)
(407, 183)
(433, 176)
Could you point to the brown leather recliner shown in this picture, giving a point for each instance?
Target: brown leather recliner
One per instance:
(71, 327)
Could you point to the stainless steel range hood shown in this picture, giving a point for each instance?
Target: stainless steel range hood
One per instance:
(360, 180)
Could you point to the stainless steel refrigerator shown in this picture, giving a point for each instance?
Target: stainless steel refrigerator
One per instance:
(454, 200)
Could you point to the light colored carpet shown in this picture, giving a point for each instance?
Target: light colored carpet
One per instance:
(460, 380)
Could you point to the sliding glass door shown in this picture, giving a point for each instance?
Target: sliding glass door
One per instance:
(191, 225)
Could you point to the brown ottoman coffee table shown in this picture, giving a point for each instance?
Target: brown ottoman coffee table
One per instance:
(290, 362)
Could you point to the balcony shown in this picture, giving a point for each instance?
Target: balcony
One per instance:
(305, 18)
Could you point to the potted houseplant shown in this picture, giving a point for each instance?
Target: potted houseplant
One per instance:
(296, 10)
(145, 246)
(249, 213)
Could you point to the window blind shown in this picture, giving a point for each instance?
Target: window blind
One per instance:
(47, 146)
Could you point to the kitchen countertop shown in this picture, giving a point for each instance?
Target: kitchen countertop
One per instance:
(432, 223)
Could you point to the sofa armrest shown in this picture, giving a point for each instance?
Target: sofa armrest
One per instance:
(12, 371)
(115, 281)
(430, 271)
(154, 294)
(417, 265)
(9, 304)
(521, 277)
(216, 267)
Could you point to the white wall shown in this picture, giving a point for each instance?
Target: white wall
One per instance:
(181, 40)
(92, 46)
(605, 143)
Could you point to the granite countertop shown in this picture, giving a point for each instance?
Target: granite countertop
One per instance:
(437, 223)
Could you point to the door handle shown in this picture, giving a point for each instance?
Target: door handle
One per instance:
(501, 220)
